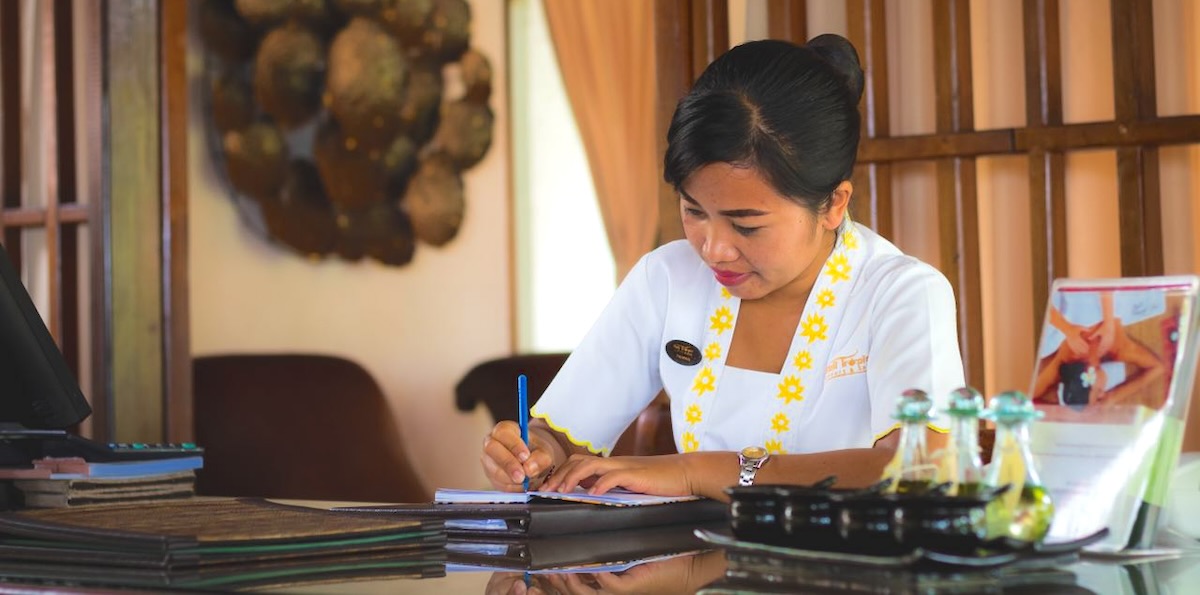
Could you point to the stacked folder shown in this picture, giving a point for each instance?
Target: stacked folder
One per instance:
(556, 534)
(57, 493)
(55, 482)
(213, 543)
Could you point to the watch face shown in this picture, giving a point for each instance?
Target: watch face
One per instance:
(754, 452)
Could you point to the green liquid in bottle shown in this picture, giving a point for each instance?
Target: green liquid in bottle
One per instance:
(1031, 519)
(1024, 511)
(911, 469)
(970, 490)
(1027, 520)
(913, 486)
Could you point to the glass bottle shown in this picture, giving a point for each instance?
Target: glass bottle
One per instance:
(911, 470)
(1025, 510)
(960, 464)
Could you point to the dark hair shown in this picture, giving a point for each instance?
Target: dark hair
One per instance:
(1073, 390)
(788, 111)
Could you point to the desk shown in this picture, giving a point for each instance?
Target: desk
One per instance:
(706, 572)
(1180, 576)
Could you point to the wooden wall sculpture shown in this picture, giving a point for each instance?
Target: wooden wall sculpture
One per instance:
(344, 126)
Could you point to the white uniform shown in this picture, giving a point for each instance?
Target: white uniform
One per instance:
(876, 323)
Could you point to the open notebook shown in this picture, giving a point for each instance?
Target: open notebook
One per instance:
(610, 498)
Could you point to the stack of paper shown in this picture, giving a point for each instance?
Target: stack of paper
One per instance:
(610, 498)
(55, 493)
(54, 482)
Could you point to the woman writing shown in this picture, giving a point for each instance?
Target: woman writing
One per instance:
(782, 332)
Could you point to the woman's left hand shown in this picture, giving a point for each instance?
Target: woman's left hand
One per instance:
(662, 475)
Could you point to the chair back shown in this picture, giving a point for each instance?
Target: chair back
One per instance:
(493, 383)
(298, 426)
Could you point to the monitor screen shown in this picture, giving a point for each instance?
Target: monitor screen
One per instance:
(37, 389)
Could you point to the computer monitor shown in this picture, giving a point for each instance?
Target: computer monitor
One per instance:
(37, 389)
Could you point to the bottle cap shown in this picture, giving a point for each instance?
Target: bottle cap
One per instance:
(914, 405)
(1012, 406)
(965, 402)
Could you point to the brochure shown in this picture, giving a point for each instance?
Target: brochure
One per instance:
(1114, 374)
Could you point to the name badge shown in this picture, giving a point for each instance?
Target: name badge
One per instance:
(682, 352)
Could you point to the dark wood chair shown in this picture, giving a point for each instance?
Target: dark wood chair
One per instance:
(298, 426)
(493, 383)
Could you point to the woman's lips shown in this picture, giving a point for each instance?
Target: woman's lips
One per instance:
(729, 279)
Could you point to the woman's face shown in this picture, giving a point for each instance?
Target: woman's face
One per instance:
(757, 242)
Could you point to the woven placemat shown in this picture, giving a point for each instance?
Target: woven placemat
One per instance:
(200, 521)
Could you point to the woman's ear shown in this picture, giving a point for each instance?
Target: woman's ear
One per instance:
(839, 201)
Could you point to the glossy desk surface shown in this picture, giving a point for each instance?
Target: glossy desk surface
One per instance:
(705, 573)
(702, 568)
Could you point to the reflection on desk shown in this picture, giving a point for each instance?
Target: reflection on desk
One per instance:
(683, 574)
(718, 571)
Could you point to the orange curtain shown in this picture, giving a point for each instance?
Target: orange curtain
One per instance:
(605, 51)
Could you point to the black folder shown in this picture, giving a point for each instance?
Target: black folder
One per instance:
(577, 551)
(199, 532)
(545, 518)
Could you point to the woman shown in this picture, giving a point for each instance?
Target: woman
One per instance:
(782, 332)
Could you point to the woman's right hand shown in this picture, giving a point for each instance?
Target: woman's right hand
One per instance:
(507, 460)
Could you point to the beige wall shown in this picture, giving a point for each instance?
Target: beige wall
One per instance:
(417, 329)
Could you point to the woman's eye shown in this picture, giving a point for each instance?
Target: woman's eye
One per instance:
(746, 231)
(694, 213)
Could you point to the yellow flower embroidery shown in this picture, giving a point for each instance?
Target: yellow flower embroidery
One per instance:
(705, 381)
(838, 268)
(725, 293)
(825, 299)
(690, 444)
(780, 423)
(693, 414)
(803, 360)
(813, 328)
(722, 320)
(775, 447)
(791, 390)
(850, 240)
(713, 351)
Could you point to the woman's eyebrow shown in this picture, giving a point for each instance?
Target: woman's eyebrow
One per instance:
(739, 213)
(732, 213)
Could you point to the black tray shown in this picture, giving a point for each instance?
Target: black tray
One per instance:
(749, 553)
(863, 521)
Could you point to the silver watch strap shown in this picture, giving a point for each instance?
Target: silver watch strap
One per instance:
(749, 470)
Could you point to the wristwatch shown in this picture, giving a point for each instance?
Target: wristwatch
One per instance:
(750, 460)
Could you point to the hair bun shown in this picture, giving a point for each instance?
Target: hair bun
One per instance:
(839, 53)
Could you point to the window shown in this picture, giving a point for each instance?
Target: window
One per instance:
(564, 268)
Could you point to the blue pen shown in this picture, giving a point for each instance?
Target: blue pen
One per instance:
(523, 413)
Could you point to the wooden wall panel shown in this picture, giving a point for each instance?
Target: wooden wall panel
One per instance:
(177, 354)
(958, 210)
(1137, 167)
(710, 32)
(135, 220)
(10, 124)
(872, 202)
(1047, 168)
(673, 63)
(788, 20)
